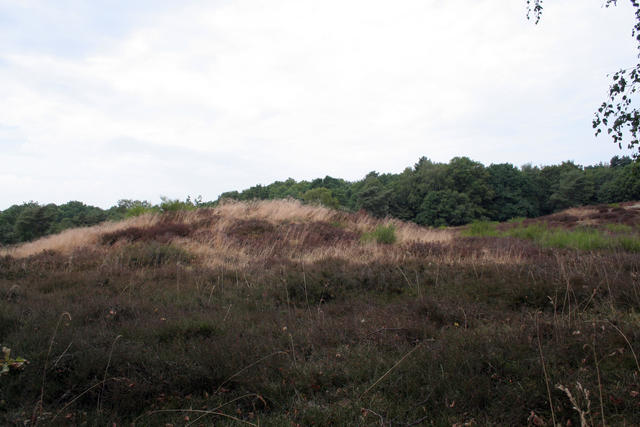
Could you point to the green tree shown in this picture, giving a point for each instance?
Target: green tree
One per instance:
(8, 219)
(6, 231)
(400, 192)
(572, 189)
(471, 178)
(321, 195)
(509, 188)
(34, 221)
(77, 214)
(372, 196)
(447, 207)
(625, 185)
(427, 176)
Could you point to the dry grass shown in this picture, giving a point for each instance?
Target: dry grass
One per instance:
(75, 238)
(213, 239)
(582, 212)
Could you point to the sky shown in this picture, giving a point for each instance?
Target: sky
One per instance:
(105, 100)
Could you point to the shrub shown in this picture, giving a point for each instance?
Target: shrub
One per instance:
(322, 196)
(173, 205)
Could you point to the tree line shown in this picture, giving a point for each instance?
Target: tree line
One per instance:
(429, 193)
(464, 190)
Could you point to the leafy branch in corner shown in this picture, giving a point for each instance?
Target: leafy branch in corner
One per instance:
(618, 115)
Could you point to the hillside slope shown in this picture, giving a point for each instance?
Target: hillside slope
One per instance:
(274, 312)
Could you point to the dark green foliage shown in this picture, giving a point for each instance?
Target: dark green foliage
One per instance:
(77, 214)
(322, 196)
(512, 190)
(174, 205)
(34, 221)
(463, 190)
(372, 196)
(128, 208)
(21, 223)
(447, 207)
(572, 189)
(28, 221)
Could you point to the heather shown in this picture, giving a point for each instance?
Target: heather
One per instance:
(279, 313)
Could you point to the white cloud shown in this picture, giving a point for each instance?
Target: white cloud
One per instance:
(248, 91)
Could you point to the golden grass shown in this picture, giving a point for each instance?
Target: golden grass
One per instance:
(75, 238)
(582, 212)
(218, 249)
(276, 210)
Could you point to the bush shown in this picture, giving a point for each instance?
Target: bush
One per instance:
(173, 205)
(321, 196)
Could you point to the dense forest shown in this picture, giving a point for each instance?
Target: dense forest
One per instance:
(428, 193)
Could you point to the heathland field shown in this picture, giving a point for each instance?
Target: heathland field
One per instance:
(279, 313)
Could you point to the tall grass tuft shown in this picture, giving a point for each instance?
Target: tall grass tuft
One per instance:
(482, 229)
(385, 234)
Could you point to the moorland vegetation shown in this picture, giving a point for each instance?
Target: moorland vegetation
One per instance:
(283, 313)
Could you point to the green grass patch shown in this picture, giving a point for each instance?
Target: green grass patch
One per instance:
(619, 228)
(385, 234)
(482, 229)
(583, 239)
(586, 239)
(516, 220)
(629, 243)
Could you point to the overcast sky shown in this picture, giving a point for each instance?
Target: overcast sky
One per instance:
(103, 100)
